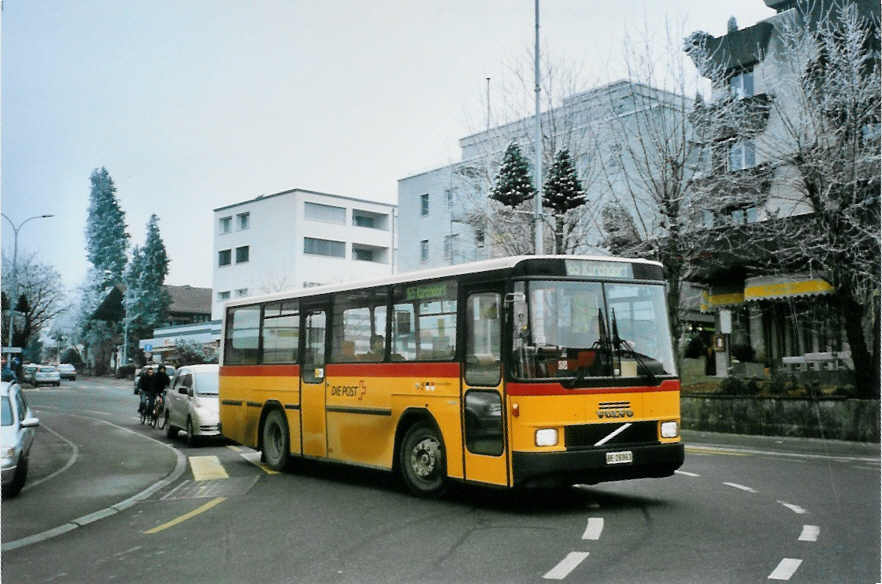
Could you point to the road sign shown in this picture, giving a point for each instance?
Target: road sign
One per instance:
(148, 348)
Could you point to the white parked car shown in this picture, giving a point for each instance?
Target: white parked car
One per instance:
(191, 404)
(67, 371)
(47, 375)
(17, 429)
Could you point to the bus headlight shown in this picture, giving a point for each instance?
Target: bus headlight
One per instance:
(546, 437)
(669, 429)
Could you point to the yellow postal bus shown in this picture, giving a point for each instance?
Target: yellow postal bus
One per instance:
(529, 370)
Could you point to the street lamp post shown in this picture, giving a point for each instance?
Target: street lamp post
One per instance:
(14, 299)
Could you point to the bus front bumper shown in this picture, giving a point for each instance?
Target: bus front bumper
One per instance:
(543, 469)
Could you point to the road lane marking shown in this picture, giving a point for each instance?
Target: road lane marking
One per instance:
(686, 473)
(795, 508)
(594, 528)
(75, 454)
(809, 533)
(566, 565)
(785, 570)
(740, 487)
(207, 468)
(234, 448)
(254, 458)
(186, 516)
(708, 450)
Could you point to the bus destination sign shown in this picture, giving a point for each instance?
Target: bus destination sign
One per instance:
(599, 269)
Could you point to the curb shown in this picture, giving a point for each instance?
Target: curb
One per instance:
(180, 467)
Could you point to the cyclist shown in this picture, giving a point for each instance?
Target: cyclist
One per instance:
(145, 388)
(160, 382)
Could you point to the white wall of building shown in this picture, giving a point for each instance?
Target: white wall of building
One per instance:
(275, 236)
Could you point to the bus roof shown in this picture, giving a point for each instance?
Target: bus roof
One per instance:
(490, 265)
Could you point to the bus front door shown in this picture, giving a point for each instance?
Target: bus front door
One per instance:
(312, 382)
(482, 396)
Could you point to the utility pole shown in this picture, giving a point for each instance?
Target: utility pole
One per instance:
(538, 122)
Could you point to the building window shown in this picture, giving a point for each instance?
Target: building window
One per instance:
(741, 85)
(742, 155)
(369, 253)
(450, 246)
(449, 194)
(223, 257)
(307, 284)
(242, 254)
(424, 250)
(240, 292)
(479, 238)
(225, 225)
(424, 204)
(225, 295)
(370, 220)
(324, 213)
(243, 221)
(325, 247)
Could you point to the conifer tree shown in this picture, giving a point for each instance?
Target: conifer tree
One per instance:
(563, 193)
(513, 184)
(146, 301)
(106, 236)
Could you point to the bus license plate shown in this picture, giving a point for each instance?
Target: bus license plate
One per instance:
(623, 457)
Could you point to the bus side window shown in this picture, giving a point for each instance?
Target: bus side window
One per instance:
(483, 339)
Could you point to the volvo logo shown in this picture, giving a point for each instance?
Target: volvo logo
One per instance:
(616, 409)
(615, 413)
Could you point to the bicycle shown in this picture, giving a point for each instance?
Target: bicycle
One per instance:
(158, 413)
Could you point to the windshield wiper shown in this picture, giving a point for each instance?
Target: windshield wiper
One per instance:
(618, 342)
(602, 347)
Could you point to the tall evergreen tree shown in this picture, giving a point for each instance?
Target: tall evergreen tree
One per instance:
(513, 184)
(146, 301)
(563, 193)
(106, 236)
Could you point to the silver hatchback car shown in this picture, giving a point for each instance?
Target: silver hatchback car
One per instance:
(17, 429)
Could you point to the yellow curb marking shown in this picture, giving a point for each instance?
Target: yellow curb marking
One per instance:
(186, 516)
(207, 468)
(254, 458)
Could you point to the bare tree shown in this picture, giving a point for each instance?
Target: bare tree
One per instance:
(39, 285)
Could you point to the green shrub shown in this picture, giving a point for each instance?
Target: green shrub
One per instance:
(780, 383)
(732, 385)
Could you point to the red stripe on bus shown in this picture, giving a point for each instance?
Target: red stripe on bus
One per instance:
(558, 389)
(396, 369)
(261, 370)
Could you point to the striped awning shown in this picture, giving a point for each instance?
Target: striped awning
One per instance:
(785, 286)
(778, 287)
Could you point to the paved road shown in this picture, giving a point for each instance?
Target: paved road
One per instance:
(742, 509)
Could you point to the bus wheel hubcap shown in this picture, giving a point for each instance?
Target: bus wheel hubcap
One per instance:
(424, 457)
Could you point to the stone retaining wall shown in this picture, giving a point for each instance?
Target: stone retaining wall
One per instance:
(831, 418)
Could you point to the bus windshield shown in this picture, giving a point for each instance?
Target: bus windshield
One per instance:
(579, 330)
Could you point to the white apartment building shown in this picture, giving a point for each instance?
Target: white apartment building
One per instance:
(433, 204)
(298, 238)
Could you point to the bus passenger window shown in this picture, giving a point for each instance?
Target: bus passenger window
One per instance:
(424, 323)
(359, 331)
(483, 339)
(281, 332)
(243, 326)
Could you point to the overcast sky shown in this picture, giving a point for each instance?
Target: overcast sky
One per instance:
(196, 104)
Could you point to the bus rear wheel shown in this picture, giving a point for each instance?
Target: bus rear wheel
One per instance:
(422, 462)
(275, 440)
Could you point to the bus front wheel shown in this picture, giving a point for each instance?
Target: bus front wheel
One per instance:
(274, 441)
(422, 462)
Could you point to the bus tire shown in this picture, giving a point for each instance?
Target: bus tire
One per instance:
(275, 440)
(422, 462)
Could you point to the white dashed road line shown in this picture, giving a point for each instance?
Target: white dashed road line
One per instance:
(785, 570)
(740, 487)
(809, 533)
(594, 528)
(687, 474)
(795, 508)
(566, 565)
